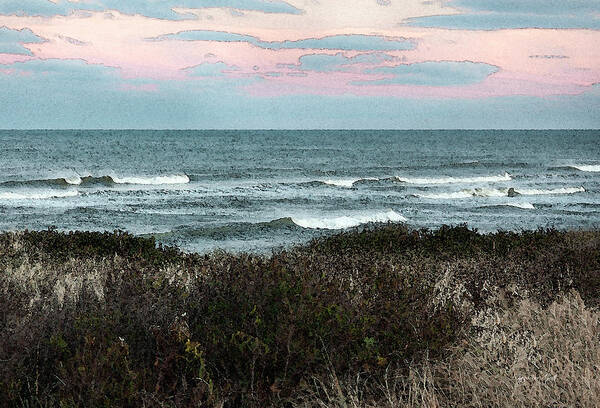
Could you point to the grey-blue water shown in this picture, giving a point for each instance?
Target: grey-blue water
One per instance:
(256, 190)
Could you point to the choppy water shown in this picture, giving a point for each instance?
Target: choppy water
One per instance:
(255, 190)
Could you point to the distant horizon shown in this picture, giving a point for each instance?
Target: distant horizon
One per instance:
(296, 129)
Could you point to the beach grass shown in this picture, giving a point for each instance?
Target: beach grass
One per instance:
(383, 316)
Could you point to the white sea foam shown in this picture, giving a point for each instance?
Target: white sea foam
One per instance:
(445, 196)
(341, 182)
(523, 205)
(498, 192)
(563, 190)
(347, 221)
(587, 167)
(467, 193)
(165, 212)
(347, 182)
(38, 195)
(75, 180)
(156, 180)
(455, 180)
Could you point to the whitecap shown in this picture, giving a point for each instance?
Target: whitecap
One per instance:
(466, 193)
(523, 205)
(445, 196)
(347, 182)
(38, 195)
(343, 222)
(165, 212)
(155, 180)
(455, 180)
(75, 180)
(497, 192)
(562, 190)
(587, 167)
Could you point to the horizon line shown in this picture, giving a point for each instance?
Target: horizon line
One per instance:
(280, 129)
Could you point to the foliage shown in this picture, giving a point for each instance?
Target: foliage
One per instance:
(110, 319)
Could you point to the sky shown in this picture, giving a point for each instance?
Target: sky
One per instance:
(268, 64)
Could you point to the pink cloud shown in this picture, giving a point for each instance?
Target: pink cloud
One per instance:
(121, 42)
(7, 59)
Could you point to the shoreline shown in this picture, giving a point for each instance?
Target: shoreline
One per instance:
(444, 316)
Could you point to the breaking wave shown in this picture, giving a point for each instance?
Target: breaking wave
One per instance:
(562, 190)
(466, 193)
(523, 205)
(454, 180)
(347, 182)
(38, 195)
(587, 167)
(75, 180)
(499, 192)
(343, 222)
(156, 180)
(106, 180)
(61, 181)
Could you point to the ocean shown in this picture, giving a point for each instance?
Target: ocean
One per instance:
(249, 190)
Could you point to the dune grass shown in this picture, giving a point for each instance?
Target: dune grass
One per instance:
(383, 316)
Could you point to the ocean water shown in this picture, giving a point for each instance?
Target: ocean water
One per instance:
(259, 190)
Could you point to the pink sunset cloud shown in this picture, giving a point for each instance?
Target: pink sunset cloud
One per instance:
(535, 62)
(8, 59)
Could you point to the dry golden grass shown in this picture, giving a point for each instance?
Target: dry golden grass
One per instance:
(528, 356)
(524, 356)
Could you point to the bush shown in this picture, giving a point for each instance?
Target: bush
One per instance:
(110, 319)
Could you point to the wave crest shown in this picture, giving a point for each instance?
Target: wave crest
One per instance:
(562, 190)
(107, 180)
(153, 180)
(523, 205)
(454, 180)
(39, 195)
(343, 222)
(75, 180)
(467, 193)
(587, 167)
(499, 192)
(347, 182)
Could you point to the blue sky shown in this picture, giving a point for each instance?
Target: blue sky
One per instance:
(219, 103)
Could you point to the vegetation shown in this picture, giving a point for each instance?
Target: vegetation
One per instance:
(374, 317)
